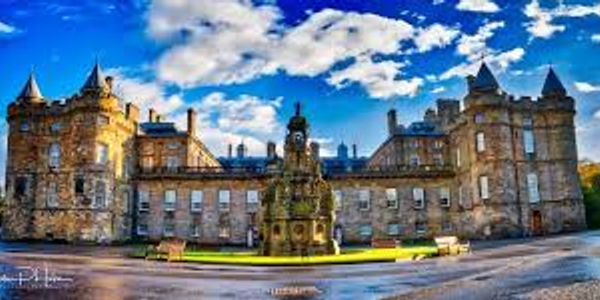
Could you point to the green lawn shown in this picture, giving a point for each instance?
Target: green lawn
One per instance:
(347, 257)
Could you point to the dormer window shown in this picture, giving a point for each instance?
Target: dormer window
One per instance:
(24, 126)
(102, 120)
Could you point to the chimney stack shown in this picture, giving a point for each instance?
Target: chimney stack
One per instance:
(158, 118)
(271, 150)
(109, 82)
(392, 121)
(315, 151)
(191, 122)
(354, 152)
(151, 115)
(241, 150)
(230, 151)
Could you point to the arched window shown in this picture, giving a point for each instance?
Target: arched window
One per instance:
(54, 155)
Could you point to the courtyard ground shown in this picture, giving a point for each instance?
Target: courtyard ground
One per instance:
(558, 267)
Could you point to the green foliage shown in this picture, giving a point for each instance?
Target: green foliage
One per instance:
(591, 199)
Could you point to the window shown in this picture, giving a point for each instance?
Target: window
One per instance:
(54, 155)
(195, 229)
(102, 120)
(21, 186)
(444, 197)
(252, 197)
(446, 226)
(79, 185)
(337, 197)
(101, 153)
(415, 160)
(533, 188)
(142, 229)
(393, 229)
(461, 195)
(480, 141)
(364, 199)
(458, 157)
(100, 194)
(414, 144)
(52, 195)
(391, 196)
(420, 227)
(438, 144)
(438, 160)
(224, 197)
(419, 198)
(144, 201)
(172, 162)
(196, 200)
(147, 162)
(55, 127)
(528, 141)
(170, 199)
(169, 228)
(173, 146)
(527, 122)
(24, 126)
(479, 118)
(484, 192)
(365, 230)
(224, 232)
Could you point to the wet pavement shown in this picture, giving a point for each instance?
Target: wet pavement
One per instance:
(559, 267)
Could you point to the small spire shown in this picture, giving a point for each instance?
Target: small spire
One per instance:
(298, 108)
(485, 80)
(31, 90)
(95, 80)
(553, 85)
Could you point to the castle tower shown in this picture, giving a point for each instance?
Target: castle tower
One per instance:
(69, 161)
(488, 156)
(297, 210)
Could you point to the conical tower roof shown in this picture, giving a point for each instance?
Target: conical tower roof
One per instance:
(95, 80)
(30, 90)
(485, 80)
(553, 85)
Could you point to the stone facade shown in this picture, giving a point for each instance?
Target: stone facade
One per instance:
(501, 167)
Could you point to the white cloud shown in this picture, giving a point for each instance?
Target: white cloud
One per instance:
(499, 62)
(586, 87)
(6, 29)
(145, 94)
(434, 36)
(596, 38)
(474, 46)
(380, 79)
(231, 41)
(541, 24)
(223, 121)
(485, 6)
(438, 90)
(438, 2)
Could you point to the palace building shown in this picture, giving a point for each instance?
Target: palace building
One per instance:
(88, 169)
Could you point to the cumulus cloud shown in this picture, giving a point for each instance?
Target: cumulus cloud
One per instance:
(586, 87)
(438, 90)
(379, 78)
(7, 31)
(230, 41)
(434, 36)
(473, 47)
(541, 24)
(484, 6)
(596, 38)
(145, 94)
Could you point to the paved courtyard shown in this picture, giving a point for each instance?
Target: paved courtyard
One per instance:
(560, 267)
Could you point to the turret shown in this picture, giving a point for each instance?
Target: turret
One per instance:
(241, 150)
(95, 81)
(484, 82)
(271, 150)
(315, 151)
(30, 92)
(342, 151)
(553, 87)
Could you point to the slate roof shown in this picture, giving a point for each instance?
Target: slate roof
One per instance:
(552, 85)
(485, 80)
(31, 89)
(422, 128)
(95, 80)
(160, 129)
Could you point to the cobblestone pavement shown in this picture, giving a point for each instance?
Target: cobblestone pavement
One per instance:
(559, 267)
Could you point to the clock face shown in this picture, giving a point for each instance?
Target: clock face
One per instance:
(298, 140)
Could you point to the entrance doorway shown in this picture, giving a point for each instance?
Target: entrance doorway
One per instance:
(536, 222)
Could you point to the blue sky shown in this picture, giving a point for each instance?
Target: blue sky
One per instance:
(243, 64)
